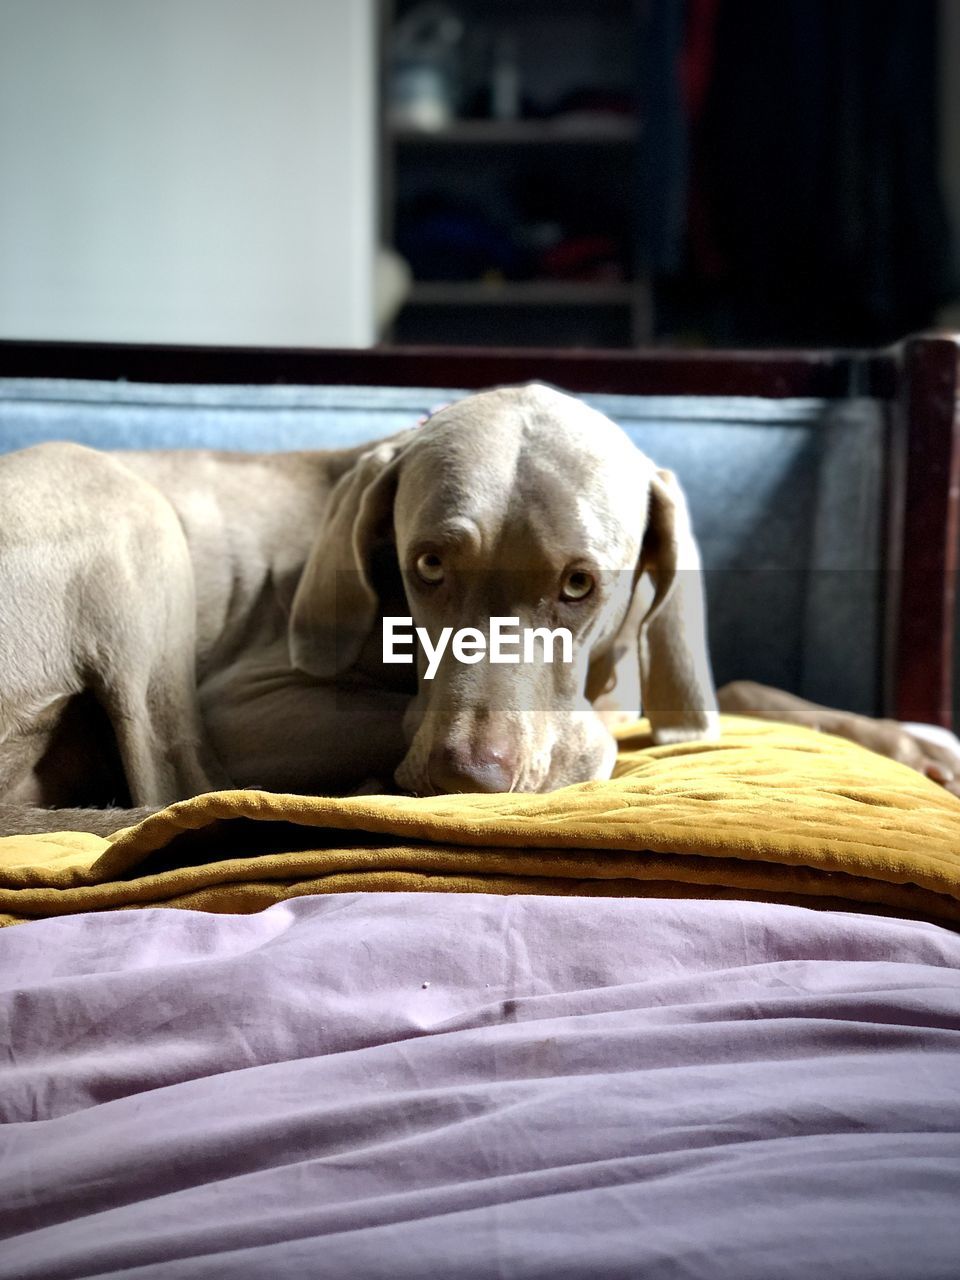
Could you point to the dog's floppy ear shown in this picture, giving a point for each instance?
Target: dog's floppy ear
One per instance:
(335, 605)
(675, 678)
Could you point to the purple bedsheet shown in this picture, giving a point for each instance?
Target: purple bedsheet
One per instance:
(443, 1086)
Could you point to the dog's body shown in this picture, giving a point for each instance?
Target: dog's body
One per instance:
(181, 621)
(202, 552)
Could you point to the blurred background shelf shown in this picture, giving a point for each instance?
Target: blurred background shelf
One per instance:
(520, 293)
(510, 171)
(576, 131)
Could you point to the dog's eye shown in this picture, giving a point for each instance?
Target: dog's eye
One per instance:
(430, 568)
(576, 585)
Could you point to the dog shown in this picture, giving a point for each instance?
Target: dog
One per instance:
(179, 622)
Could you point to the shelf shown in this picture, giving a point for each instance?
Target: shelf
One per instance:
(522, 293)
(604, 11)
(576, 171)
(577, 130)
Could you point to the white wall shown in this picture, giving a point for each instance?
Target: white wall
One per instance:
(197, 171)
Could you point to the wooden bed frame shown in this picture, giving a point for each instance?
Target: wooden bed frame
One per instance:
(919, 379)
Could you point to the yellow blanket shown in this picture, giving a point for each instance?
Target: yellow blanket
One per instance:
(769, 812)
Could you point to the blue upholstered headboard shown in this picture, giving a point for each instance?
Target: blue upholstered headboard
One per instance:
(786, 494)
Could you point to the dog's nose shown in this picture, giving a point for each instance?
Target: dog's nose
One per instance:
(458, 769)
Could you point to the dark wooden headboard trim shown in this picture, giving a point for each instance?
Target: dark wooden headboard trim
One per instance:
(920, 379)
(927, 448)
(774, 374)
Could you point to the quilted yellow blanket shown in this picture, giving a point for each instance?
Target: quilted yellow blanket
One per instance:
(768, 812)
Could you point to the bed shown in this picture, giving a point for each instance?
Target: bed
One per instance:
(700, 1021)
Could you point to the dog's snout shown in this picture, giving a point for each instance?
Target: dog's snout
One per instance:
(461, 769)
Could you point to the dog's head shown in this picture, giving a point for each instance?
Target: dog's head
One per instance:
(518, 503)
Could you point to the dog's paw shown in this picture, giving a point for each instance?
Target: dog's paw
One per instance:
(939, 753)
(672, 734)
(926, 748)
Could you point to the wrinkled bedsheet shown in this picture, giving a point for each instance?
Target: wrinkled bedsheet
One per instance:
(439, 1085)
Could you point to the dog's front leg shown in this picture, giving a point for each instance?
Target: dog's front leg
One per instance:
(886, 737)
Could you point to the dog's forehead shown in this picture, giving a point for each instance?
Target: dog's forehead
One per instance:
(530, 417)
(531, 451)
